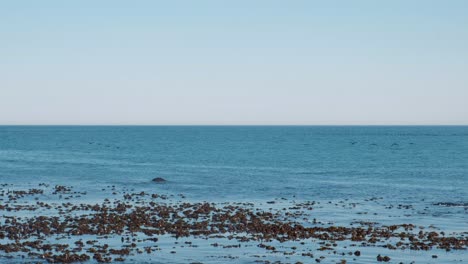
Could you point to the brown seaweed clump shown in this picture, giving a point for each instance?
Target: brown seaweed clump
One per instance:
(139, 217)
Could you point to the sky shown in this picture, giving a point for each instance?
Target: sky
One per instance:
(237, 62)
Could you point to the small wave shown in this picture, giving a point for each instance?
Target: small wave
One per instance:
(450, 204)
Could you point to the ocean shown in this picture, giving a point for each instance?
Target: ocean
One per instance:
(382, 174)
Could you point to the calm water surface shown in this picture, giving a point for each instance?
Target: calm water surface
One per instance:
(400, 163)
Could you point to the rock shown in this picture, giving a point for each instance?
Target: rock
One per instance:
(384, 258)
(159, 179)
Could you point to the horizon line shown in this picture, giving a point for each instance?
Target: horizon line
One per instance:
(229, 125)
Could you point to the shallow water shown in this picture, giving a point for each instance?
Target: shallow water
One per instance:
(355, 173)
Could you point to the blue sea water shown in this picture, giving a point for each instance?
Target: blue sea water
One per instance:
(410, 165)
(247, 162)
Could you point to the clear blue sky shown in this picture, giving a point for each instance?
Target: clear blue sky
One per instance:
(234, 62)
